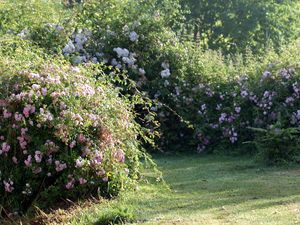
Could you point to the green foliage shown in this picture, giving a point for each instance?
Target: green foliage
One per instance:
(83, 84)
(47, 25)
(117, 215)
(277, 145)
(114, 13)
(179, 77)
(29, 14)
(145, 57)
(239, 24)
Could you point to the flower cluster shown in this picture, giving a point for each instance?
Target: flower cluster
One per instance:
(227, 113)
(57, 129)
(185, 84)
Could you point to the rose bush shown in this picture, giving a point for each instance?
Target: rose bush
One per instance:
(63, 133)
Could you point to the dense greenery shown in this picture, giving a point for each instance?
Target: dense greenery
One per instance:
(236, 25)
(83, 84)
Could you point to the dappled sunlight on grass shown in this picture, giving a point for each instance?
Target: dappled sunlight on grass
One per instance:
(212, 190)
(223, 188)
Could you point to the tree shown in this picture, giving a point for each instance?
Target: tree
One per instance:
(234, 25)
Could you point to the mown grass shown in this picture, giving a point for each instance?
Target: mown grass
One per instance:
(205, 190)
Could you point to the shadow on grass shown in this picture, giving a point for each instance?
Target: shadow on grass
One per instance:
(203, 183)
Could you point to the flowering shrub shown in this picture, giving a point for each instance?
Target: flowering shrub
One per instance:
(204, 100)
(219, 98)
(148, 51)
(227, 111)
(63, 134)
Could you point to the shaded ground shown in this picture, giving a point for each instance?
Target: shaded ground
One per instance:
(208, 190)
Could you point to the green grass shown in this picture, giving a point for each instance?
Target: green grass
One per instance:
(207, 190)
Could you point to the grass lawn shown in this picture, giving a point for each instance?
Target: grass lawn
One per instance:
(206, 190)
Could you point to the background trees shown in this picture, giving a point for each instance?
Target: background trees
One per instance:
(236, 25)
